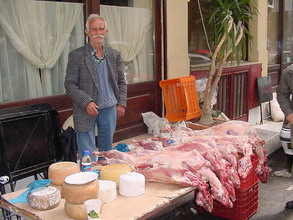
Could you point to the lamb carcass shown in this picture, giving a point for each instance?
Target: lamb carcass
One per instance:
(179, 167)
(238, 134)
(224, 171)
(233, 127)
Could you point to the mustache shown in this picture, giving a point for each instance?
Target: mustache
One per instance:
(98, 36)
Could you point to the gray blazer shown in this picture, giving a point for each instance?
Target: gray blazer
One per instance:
(81, 83)
(284, 90)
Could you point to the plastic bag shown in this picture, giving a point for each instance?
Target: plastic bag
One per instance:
(201, 84)
(282, 173)
(154, 123)
(122, 147)
(34, 185)
(68, 143)
(201, 87)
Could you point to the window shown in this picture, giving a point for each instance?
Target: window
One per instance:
(131, 33)
(272, 39)
(197, 44)
(33, 52)
(279, 38)
(288, 32)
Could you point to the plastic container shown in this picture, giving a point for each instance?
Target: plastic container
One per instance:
(86, 162)
(285, 137)
(251, 178)
(93, 209)
(180, 97)
(4, 179)
(246, 203)
(244, 207)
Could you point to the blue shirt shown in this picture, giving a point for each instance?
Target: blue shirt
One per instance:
(106, 97)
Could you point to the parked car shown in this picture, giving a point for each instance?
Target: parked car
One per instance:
(196, 58)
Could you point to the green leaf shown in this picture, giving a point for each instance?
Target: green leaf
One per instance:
(93, 214)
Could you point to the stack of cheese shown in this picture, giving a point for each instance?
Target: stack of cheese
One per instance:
(57, 172)
(77, 188)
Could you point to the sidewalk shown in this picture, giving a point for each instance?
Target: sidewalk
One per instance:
(269, 131)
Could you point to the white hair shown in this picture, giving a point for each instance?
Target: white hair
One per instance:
(94, 16)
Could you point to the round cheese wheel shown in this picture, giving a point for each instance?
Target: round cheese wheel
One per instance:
(58, 187)
(57, 172)
(113, 171)
(131, 184)
(107, 191)
(75, 211)
(44, 198)
(80, 187)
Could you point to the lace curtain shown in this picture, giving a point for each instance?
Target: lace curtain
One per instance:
(35, 39)
(130, 32)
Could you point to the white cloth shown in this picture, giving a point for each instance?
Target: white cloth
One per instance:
(40, 32)
(130, 32)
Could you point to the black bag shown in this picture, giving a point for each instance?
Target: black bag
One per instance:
(68, 143)
(265, 90)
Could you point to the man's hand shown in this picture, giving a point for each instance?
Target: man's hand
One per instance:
(120, 111)
(290, 118)
(92, 109)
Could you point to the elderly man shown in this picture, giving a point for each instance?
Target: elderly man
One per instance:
(284, 97)
(96, 84)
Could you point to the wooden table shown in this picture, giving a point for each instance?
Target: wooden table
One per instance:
(157, 197)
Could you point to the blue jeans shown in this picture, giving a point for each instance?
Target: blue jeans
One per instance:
(106, 122)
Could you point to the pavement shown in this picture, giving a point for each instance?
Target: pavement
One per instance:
(269, 131)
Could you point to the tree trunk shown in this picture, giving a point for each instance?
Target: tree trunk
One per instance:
(206, 113)
(213, 80)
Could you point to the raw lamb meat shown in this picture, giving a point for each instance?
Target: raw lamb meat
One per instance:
(213, 160)
(179, 167)
(224, 171)
(230, 137)
(149, 144)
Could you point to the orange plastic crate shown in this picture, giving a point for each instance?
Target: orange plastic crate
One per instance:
(180, 98)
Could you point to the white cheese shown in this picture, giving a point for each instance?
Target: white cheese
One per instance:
(44, 198)
(131, 184)
(57, 172)
(107, 191)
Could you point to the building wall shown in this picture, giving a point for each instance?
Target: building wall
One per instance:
(258, 45)
(177, 42)
(258, 52)
(177, 38)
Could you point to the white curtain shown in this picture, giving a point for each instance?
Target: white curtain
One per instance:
(39, 32)
(130, 32)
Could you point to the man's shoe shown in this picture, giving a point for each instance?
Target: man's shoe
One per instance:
(289, 205)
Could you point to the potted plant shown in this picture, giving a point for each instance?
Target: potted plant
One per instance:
(228, 20)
